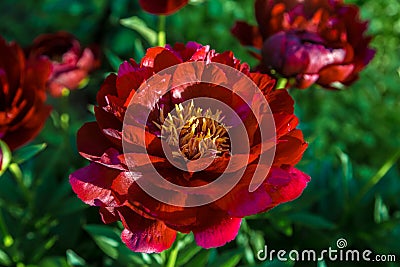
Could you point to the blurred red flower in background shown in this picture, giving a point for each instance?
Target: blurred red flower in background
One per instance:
(310, 41)
(71, 65)
(22, 95)
(151, 225)
(162, 7)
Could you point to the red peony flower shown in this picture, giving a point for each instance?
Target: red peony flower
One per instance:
(309, 41)
(22, 95)
(162, 7)
(113, 180)
(71, 65)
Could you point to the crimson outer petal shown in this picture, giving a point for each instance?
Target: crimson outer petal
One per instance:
(22, 95)
(150, 225)
(70, 64)
(162, 7)
(311, 41)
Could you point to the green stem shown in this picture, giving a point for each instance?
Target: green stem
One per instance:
(378, 176)
(8, 241)
(17, 173)
(173, 255)
(161, 37)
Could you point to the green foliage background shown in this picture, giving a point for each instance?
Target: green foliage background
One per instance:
(353, 135)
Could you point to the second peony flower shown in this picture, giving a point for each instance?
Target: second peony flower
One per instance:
(71, 64)
(308, 41)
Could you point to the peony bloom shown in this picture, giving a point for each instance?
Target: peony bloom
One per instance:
(22, 95)
(112, 180)
(162, 7)
(308, 41)
(71, 65)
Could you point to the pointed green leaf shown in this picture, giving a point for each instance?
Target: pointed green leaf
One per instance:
(74, 259)
(4, 259)
(5, 157)
(140, 27)
(25, 153)
(113, 59)
(106, 238)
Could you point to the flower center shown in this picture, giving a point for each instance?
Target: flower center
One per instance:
(196, 133)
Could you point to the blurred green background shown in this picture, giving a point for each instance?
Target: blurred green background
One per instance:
(353, 135)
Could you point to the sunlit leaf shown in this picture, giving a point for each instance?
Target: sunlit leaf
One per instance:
(138, 25)
(27, 152)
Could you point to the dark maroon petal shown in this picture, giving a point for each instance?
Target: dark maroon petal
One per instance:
(108, 214)
(219, 234)
(145, 235)
(91, 142)
(130, 77)
(284, 54)
(162, 7)
(247, 34)
(107, 88)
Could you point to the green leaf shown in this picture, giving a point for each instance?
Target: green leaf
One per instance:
(109, 241)
(54, 262)
(227, 259)
(74, 259)
(25, 153)
(5, 157)
(200, 259)
(106, 238)
(69, 206)
(378, 176)
(311, 221)
(187, 253)
(113, 59)
(140, 27)
(4, 259)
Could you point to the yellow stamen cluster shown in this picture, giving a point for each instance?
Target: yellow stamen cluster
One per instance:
(196, 133)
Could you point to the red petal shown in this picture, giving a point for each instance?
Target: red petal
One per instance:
(145, 235)
(290, 149)
(159, 58)
(107, 88)
(285, 184)
(247, 34)
(334, 73)
(162, 7)
(91, 141)
(219, 234)
(93, 183)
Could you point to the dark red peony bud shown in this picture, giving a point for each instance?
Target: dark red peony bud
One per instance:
(71, 64)
(162, 7)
